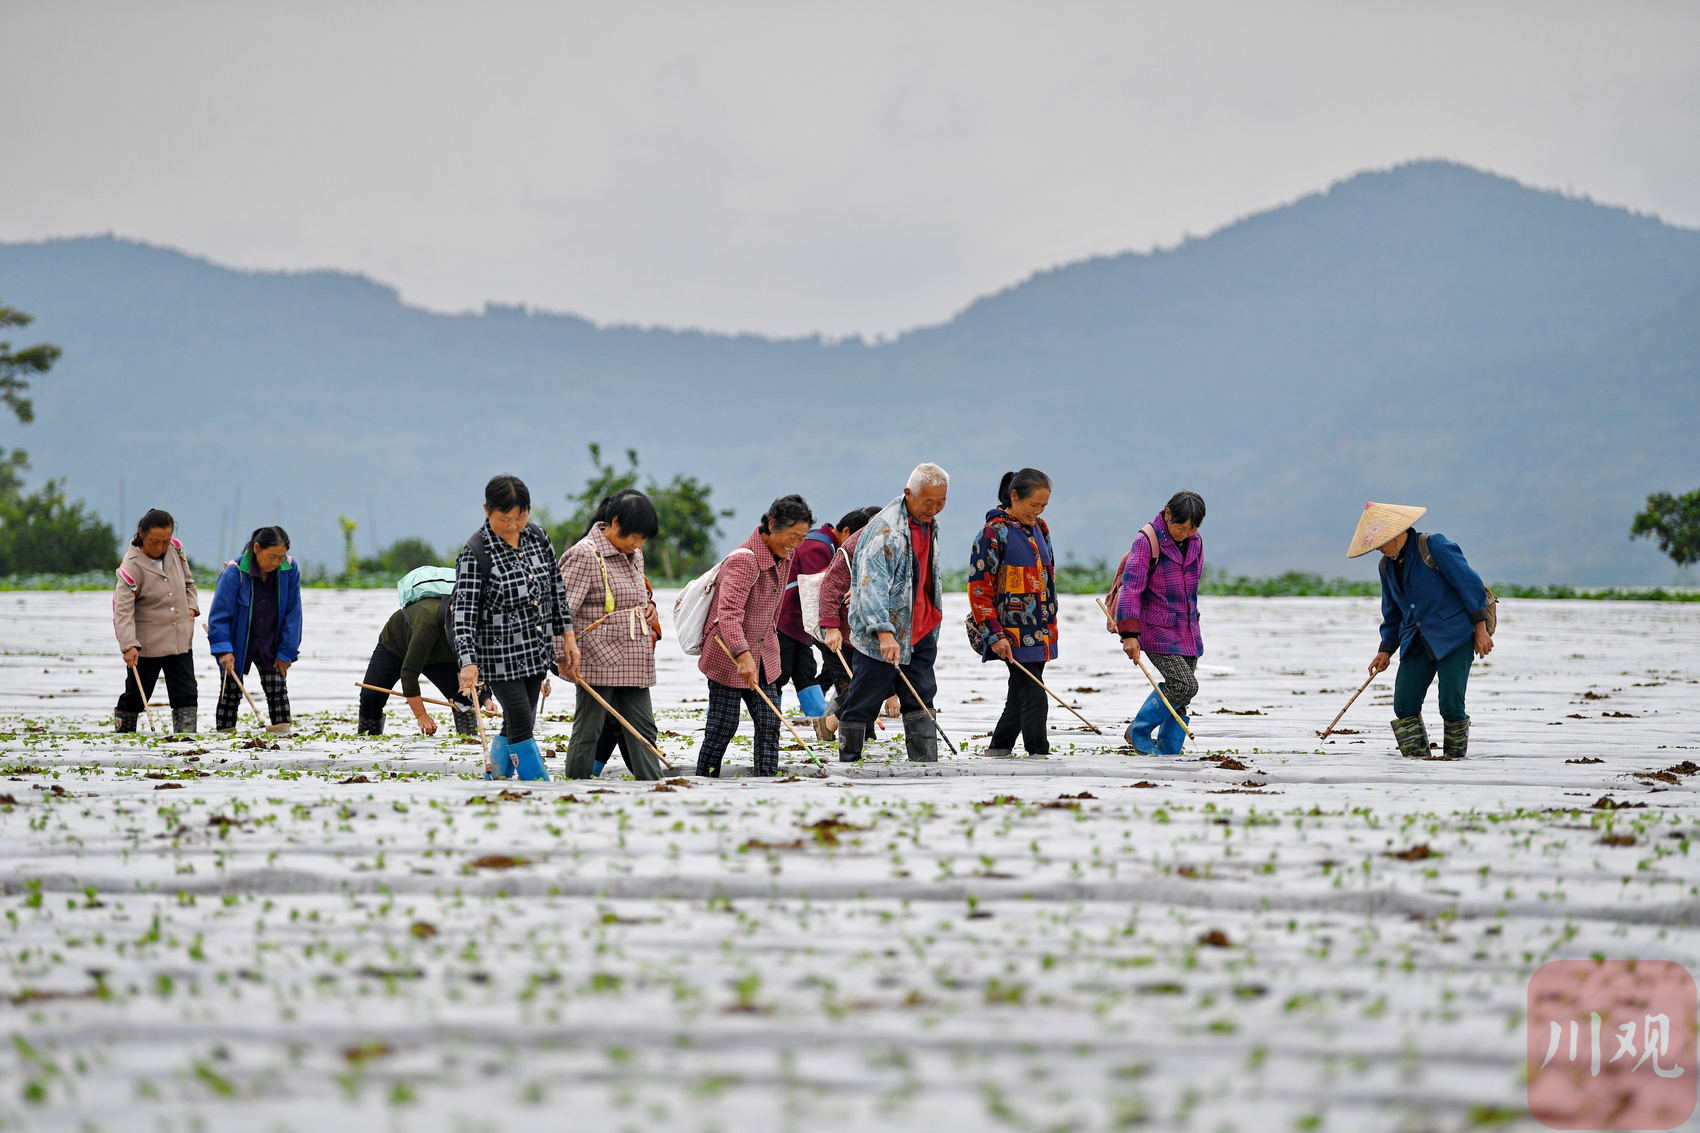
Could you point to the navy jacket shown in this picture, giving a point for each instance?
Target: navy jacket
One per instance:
(233, 606)
(1443, 602)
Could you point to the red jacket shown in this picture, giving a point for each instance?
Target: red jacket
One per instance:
(810, 558)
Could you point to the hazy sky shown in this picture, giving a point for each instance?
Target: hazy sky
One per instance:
(794, 167)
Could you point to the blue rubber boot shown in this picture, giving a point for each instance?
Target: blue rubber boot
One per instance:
(501, 759)
(596, 767)
(1151, 715)
(1171, 737)
(813, 702)
(529, 761)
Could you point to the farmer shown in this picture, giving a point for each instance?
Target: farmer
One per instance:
(1434, 608)
(413, 641)
(1012, 602)
(796, 646)
(255, 622)
(742, 621)
(834, 616)
(154, 607)
(896, 608)
(602, 575)
(613, 735)
(511, 621)
(1158, 608)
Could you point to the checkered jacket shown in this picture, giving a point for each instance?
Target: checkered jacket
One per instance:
(620, 651)
(506, 622)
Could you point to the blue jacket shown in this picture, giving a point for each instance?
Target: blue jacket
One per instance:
(233, 607)
(1443, 602)
(882, 582)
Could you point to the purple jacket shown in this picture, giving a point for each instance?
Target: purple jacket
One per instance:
(1159, 601)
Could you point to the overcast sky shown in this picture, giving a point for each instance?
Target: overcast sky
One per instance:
(792, 167)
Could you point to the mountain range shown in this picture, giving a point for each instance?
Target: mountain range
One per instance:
(1524, 363)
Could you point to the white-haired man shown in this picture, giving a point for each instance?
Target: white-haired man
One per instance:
(896, 608)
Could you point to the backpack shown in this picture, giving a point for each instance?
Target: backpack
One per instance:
(808, 595)
(424, 582)
(690, 610)
(1114, 597)
(1492, 598)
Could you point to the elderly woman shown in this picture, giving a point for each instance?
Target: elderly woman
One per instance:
(153, 615)
(255, 621)
(1436, 612)
(511, 622)
(607, 594)
(1158, 608)
(1012, 602)
(740, 645)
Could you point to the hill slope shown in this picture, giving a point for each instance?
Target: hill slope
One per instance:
(1523, 363)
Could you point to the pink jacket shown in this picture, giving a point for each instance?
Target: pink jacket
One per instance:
(745, 613)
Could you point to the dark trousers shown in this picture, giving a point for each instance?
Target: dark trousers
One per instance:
(797, 664)
(590, 731)
(874, 682)
(519, 706)
(723, 704)
(1025, 707)
(1417, 670)
(384, 669)
(834, 669)
(272, 683)
(179, 670)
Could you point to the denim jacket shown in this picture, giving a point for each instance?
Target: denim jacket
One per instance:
(882, 582)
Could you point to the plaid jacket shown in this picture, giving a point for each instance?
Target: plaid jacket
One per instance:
(620, 651)
(506, 623)
(1160, 602)
(745, 613)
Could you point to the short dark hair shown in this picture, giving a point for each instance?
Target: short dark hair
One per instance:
(504, 493)
(854, 521)
(152, 520)
(634, 510)
(1020, 485)
(269, 536)
(786, 511)
(1186, 507)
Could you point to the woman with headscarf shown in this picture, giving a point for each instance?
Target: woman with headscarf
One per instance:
(154, 608)
(255, 622)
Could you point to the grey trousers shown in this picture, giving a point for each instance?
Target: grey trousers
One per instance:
(1179, 683)
(589, 718)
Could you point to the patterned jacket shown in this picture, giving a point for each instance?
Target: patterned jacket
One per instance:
(603, 585)
(506, 622)
(1012, 587)
(1160, 602)
(882, 590)
(154, 605)
(745, 613)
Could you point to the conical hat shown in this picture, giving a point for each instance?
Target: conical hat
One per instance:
(1379, 523)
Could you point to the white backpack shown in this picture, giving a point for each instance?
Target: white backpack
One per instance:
(808, 596)
(690, 611)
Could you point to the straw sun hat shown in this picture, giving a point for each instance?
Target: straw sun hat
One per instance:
(1380, 523)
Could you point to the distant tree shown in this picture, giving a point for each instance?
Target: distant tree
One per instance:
(15, 366)
(41, 533)
(1674, 521)
(401, 556)
(689, 524)
(350, 558)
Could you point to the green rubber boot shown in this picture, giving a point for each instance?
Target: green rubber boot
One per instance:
(1411, 736)
(1457, 737)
